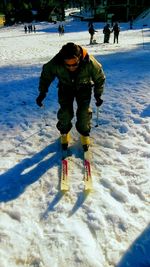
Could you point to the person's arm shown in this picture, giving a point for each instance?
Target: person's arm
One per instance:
(47, 76)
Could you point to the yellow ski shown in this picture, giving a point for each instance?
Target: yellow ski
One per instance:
(64, 182)
(87, 173)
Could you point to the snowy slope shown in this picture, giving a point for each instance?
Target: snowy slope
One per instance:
(39, 226)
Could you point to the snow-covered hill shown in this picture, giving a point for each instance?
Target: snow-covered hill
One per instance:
(39, 226)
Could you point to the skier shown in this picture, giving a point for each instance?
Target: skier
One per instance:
(34, 29)
(25, 28)
(77, 72)
(106, 32)
(61, 30)
(91, 32)
(116, 30)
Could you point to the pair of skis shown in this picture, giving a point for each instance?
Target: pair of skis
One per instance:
(64, 182)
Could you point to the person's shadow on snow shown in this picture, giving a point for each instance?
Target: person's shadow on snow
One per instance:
(15, 180)
(138, 253)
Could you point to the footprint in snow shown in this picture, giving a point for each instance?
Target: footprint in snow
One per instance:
(118, 195)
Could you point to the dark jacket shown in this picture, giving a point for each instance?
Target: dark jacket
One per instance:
(116, 29)
(107, 30)
(91, 30)
(90, 71)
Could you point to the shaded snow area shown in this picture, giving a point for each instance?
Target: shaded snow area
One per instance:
(39, 226)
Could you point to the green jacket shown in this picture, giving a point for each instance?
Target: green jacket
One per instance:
(89, 72)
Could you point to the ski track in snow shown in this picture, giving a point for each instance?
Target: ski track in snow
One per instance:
(40, 226)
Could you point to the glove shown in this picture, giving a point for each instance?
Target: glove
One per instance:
(99, 101)
(40, 99)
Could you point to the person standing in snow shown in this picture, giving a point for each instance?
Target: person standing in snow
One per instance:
(77, 72)
(91, 32)
(59, 30)
(106, 32)
(34, 29)
(116, 30)
(62, 29)
(25, 28)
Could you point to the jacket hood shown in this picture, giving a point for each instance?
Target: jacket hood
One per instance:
(85, 55)
(84, 52)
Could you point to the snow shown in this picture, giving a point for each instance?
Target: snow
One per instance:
(39, 226)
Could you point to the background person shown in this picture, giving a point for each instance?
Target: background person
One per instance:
(116, 30)
(106, 32)
(91, 32)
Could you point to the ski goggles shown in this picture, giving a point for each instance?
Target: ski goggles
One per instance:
(73, 62)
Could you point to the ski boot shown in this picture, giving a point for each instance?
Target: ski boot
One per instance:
(85, 141)
(65, 138)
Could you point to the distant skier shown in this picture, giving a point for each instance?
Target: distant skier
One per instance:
(91, 32)
(106, 32)
(62, 29)
(34, 29)
(25, 29)
(116, 30)
(59, 30)
(77, 72)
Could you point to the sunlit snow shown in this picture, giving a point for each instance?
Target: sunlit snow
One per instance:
(39, 226)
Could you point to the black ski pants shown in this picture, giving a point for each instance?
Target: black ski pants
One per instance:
(82, 97)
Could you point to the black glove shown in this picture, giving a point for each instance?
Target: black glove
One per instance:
(40, 99)
(99, 101)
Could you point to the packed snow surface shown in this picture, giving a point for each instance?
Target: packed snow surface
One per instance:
(40, 226)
